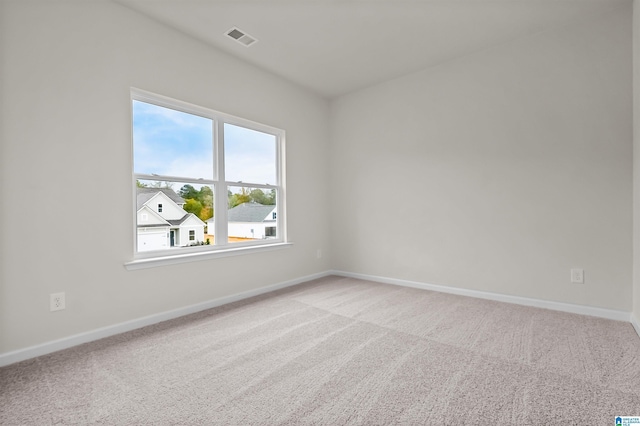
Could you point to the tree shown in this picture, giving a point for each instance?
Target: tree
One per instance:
(197, 202)
(205, 196)
(259, 196)
(256, 195)
(206, 213)
(188, 191)
(140, 184)
(205, 191)
(271, 198)
(237, 199)
(193, 206)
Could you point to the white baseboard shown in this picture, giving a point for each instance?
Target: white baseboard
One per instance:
(635, 323)
(556, 306)
(89, 336)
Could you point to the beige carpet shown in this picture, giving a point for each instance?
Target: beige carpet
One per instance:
(340, 351)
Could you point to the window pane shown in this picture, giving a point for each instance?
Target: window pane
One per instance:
(171, 215)
(252, 214)
(249, 155)
(167, 142)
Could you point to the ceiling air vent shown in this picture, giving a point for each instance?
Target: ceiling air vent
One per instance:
(241, 37)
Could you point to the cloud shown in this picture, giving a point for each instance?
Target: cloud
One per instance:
(166, 142)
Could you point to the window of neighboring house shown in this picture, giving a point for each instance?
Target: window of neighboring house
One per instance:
(188, 159)
(270, 231)
(273, 216)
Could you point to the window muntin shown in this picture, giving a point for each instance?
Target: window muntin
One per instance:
(237, 150)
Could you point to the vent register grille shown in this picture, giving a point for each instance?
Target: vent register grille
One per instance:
(241, 37)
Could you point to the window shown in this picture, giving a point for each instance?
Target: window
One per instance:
(218, 175)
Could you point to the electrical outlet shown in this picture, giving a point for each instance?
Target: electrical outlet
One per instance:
(577, 275)
(56, 301)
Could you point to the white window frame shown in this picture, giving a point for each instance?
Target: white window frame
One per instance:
(221, 247)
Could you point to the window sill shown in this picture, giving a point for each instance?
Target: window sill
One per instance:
(153, 262)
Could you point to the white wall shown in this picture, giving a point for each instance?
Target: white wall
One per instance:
(518, 159)
(636, 162)
(67, 67)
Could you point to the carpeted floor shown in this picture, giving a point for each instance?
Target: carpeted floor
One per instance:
(340, 351)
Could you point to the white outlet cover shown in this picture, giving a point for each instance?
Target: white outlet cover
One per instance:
(577, 275)
(57, 301)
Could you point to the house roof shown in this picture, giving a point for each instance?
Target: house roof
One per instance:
(145, 194)
(176, 222)
(249, 212)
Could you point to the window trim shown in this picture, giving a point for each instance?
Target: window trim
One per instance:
(152, 262)
(220, 248)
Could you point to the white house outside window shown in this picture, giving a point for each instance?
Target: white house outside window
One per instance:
(210, 175)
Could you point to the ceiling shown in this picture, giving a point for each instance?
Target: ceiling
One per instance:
(335, 47)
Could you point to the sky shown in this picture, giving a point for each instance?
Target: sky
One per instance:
(173, 143)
